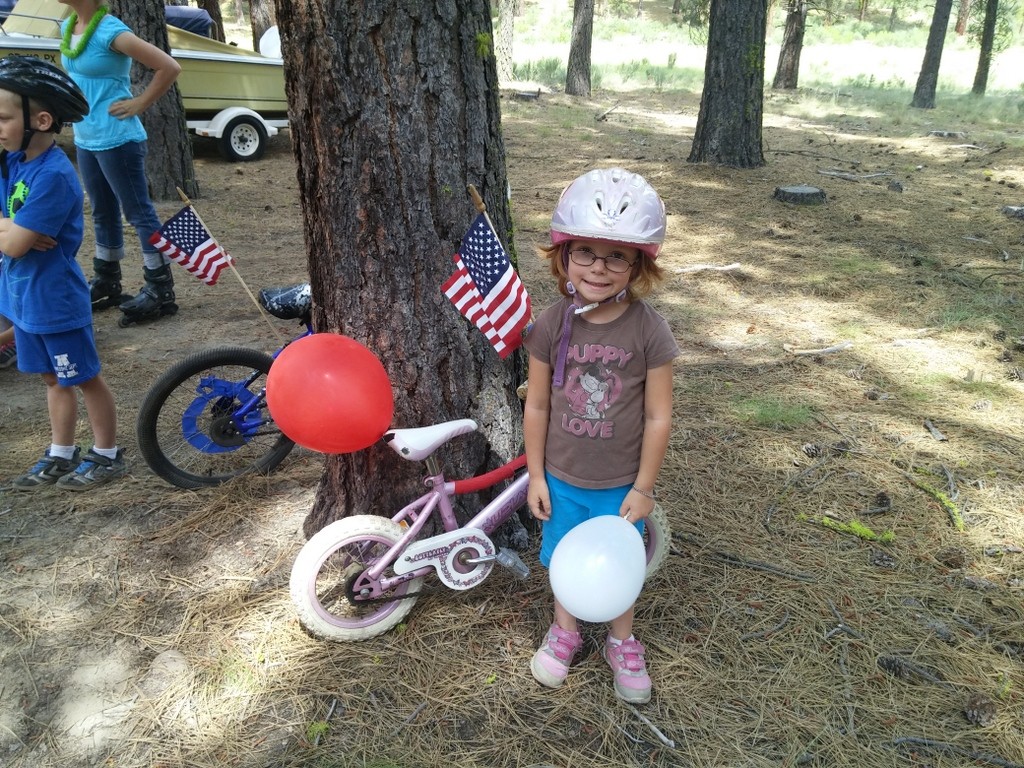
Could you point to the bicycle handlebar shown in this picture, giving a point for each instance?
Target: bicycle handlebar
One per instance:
(486, 480)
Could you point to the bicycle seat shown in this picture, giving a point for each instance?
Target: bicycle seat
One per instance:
(288, 303)
(417, 443)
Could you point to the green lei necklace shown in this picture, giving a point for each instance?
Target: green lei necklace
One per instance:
(65, 43)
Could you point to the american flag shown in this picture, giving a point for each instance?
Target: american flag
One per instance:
(185, 240)
(486, 289)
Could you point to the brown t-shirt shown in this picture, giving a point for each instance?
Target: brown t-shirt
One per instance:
(597, 418)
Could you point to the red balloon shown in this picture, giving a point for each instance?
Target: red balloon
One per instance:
(330, 393)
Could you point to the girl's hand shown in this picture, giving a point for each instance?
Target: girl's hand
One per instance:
(636, 507)
(126, 108)
(538, 498)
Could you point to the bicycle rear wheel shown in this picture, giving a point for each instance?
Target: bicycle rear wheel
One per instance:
(325, 569)
(189, 428)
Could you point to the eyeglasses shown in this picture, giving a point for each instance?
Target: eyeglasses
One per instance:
(585, 257)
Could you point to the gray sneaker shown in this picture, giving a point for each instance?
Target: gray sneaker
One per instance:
(8, 354)
(47, 471)
(94, 470)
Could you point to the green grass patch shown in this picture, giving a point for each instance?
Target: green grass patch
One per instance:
(773, 413)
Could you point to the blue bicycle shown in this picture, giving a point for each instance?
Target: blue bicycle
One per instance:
(206, 420)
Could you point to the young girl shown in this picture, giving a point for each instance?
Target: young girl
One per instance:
(599, 402)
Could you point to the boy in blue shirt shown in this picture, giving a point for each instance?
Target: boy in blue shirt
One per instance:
(42, 289)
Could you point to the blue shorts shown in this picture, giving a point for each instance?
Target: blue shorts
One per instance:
(571, 506)
(70, 356)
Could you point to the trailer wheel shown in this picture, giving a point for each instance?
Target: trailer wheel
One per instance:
(244, 139)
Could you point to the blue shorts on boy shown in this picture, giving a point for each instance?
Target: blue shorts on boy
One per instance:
(574, 506)
(70, 355)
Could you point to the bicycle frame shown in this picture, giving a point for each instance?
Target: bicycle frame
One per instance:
(371, 584)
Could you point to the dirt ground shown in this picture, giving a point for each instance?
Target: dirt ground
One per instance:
(144, 625)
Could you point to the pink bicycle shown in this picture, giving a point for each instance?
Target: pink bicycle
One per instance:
(360, 576)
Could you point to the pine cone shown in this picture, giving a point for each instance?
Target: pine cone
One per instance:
(812, 450)
(980, 710)
(999, 335)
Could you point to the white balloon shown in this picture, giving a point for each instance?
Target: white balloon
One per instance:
(597, 569)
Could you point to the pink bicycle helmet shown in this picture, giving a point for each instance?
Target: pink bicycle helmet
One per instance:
(611, 204)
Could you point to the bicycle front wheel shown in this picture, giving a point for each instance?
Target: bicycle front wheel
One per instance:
(206, 420)
(327, 566)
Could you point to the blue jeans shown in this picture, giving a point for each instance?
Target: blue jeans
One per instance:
(115, 180)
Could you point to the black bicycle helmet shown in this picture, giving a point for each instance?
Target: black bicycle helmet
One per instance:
(48, 84)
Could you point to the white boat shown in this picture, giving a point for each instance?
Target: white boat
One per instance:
(229, 93)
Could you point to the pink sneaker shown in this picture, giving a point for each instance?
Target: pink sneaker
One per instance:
(632, 683)
(550, 664)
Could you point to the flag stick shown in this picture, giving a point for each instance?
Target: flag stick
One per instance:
(231, 265)
(481, 207)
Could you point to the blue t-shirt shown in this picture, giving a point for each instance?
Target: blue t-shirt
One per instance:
(45, 291)
(103, 74)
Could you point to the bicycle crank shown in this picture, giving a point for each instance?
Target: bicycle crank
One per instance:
(462, 558)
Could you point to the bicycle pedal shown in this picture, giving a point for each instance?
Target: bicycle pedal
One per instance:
(507, 558)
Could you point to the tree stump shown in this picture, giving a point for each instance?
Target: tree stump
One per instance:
(801, 194)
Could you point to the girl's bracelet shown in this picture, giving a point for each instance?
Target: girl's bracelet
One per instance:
(651, 494)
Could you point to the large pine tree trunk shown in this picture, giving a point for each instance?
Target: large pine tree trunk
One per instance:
(169, 157)
(394, 110)
(787, 74)
(988, 37)
(927, 80)
(963, 16)
(212, 7)
(731, 105)
(504, 34)
(577, 74)
(261, 18)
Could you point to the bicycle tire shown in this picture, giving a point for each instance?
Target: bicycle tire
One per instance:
(184, 429)
(325, 564)
(657, 540)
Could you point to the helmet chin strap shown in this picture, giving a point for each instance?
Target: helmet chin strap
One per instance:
(29, 130)
(576, 308)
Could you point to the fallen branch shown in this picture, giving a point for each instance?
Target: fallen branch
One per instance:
(765, 633)
(823, 351)
(756, 565)
(941, 746)
(781, 496)
(661, 736)
(853, 176)
(409, 719)
(934, 431)
(854, 528)
(704, 267)
(607, 112)
(945, 502)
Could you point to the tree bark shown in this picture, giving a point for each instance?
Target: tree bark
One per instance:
(507, 12)
(988, 37)
(924, 93)
(261, 18)
(394, 110)
(963, 16)
(169, 156)
(787, 74)
(731, 104)
(577, 74)
(212, 7)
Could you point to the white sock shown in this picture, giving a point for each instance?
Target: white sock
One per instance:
(107, 453)
(62, 451)
(613, 642)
